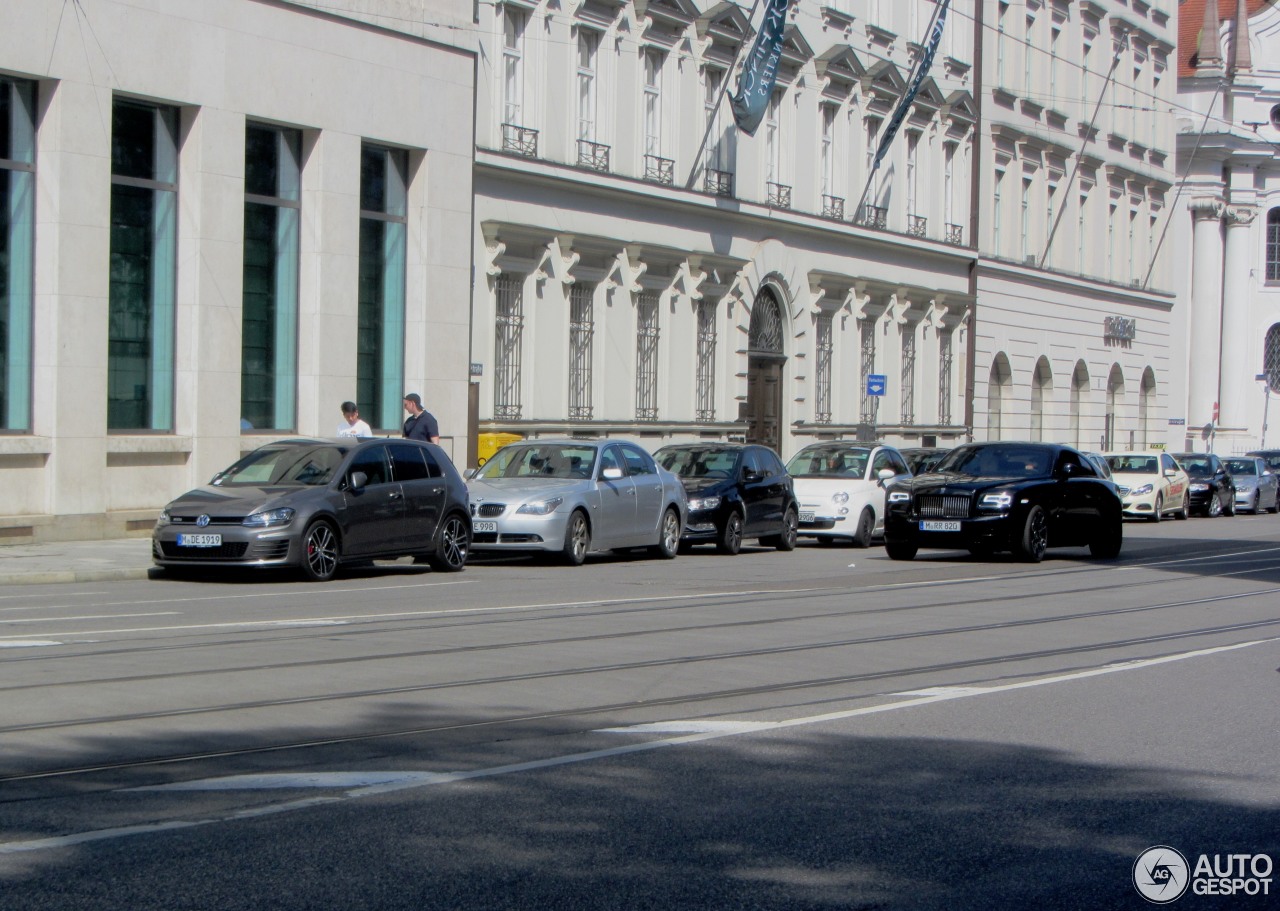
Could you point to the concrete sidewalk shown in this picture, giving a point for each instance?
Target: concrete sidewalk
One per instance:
(75, 561)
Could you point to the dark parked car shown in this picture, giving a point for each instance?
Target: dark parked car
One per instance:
(315, 504)
(1212, 490)
(922, 460)
(1019, 497)
(735, 491)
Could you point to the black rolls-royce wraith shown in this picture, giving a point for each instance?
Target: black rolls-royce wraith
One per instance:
(1006, 496)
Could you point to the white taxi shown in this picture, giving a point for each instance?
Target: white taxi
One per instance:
(1151, 484)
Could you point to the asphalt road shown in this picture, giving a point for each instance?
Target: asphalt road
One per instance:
(821, 729)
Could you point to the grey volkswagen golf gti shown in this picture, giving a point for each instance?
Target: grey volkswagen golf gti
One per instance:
(315, 504)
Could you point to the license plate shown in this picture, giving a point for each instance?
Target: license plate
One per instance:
(199, 540)
(934, 525)
(806, 517)
(484, 526)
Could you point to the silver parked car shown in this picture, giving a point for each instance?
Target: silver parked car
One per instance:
(314, 504)
(1256, 484)
(576, 496)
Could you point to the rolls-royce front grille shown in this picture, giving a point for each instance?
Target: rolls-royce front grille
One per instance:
(942, 507)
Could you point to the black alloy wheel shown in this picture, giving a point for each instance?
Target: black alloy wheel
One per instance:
(1035, 536)
(320, 552)
(786, 539)
(453, 544)
(729, 539)
(866, 525)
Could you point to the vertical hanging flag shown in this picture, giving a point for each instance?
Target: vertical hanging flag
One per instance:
(926, 61)
(760, 72)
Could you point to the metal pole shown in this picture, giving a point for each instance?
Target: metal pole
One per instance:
(711, 121)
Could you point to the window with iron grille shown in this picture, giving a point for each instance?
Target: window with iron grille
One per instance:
(706, 361)
(822, 372)
(870, 403)
(647, 357)
(582, 327)
(1273, 245)
(945, 368)
(909, 373)
(1271, 358)
(509, 333)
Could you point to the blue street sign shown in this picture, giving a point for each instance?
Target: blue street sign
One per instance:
(876, 383)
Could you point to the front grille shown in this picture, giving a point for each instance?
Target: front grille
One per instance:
(233, 550)
(488, 510)
(942, 507)
(485, 537)
(213, 520)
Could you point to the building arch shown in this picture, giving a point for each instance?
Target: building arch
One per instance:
(1041, 392)
(1079, 399)
(1271, 358)
(1146, 408)
(766, 357)
(999, 390)
(1115, 400)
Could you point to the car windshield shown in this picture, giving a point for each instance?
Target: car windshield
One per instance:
(998, 461)
(1133, 464)
(1242, 466)
(699, 463)
(1196, 466)
(829, 462)
(540, 461)
(310, 466)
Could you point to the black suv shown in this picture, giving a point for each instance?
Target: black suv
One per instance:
(735, 491)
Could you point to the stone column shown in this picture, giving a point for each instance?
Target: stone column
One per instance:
(1238, 362)
(1205, 322)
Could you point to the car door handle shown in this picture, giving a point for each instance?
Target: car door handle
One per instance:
(394, 495)
(631, 491)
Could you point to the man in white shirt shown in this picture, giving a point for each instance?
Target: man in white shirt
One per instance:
(351, 425)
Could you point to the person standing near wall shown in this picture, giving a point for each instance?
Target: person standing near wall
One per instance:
(351, 425)
(421, 424)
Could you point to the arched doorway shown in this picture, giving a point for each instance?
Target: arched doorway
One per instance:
(765, 358)
(1115, 398)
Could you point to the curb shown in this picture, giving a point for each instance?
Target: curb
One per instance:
(66, 576)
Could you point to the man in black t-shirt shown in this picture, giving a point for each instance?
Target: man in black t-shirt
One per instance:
(421, 424)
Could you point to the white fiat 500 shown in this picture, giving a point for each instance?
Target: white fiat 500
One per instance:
(1151, 484)
(840, 487)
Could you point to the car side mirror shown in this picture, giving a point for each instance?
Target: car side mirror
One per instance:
(470, 473)
(1067, 470)
(884, 474)
(358, 480)
(611, 474)
(751, 475)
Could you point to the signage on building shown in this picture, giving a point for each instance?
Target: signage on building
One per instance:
(1119, 328)
(477, 368)
(876, 383)
(1177, 422)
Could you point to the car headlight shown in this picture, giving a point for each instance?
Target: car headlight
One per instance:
(1001, 500)
(1144, 489)
(704, 503)
(541, 507)
(1199, 488)
(899, 496)
(840, 497)
(163, 519)
(272, 518)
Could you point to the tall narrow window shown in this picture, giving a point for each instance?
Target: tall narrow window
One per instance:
(872, 127)
(822, 375)
(945, 368)
(1271, 358)
(1082, 225)
(508, 327)
(144, 203)
(269, 321)
(513, 65)
(582, 329)
(1024, 228)
(827, 158)
(647, 357)
(870, 403)
(653, 60)
(997, 211)
(380, 339)
(908, 373)
(17, 238)
(706, 361)
(588, 44)
(1079, 391)
(1112, 212)
(773, 138)
(721, 151)
(913, 147)
(1273, 245)
(1055, 35)
(1002, 45)
(1029, 50)
(1041, 382)
(949, 182)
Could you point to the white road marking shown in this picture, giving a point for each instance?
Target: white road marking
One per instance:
(294, 780)
(159, 613)
(26, 643)
(396, 781)
(695, 726)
